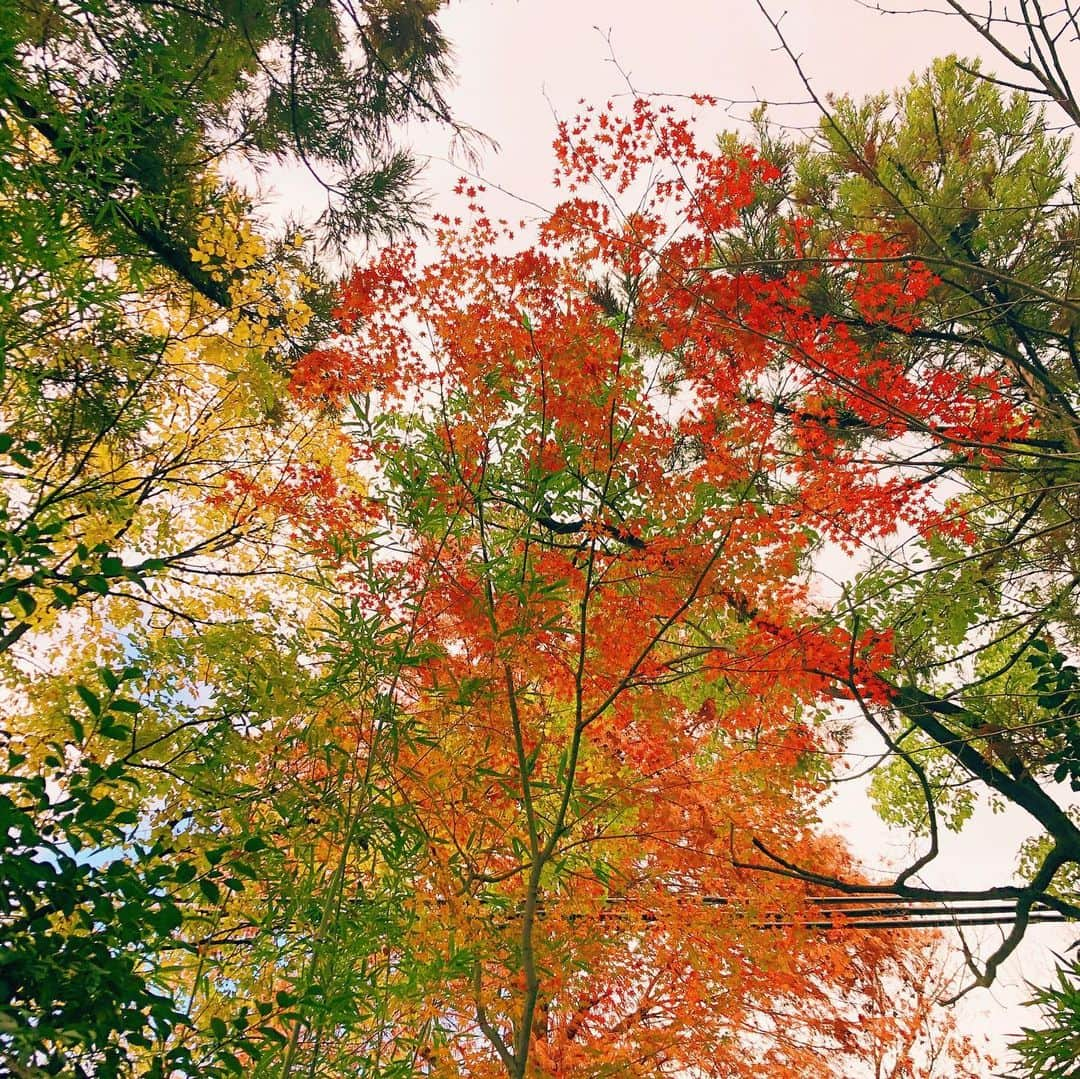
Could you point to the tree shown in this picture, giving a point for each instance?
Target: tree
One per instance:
(75, 980)
(123, 244)
(147, 324)
(118, 557)
(178, 89)
(958, 183)
(440, 741)
(573, 642)
(123, 250)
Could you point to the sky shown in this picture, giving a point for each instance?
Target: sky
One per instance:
(517, 60)
(520, 64)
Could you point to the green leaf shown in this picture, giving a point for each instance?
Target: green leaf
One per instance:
(210, 890)
(99, 809)
(231, 1062)
(185, 872)
(96, 583)
(89, 698)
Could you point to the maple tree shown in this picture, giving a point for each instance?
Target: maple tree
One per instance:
(574, 642)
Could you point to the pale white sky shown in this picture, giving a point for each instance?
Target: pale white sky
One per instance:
(518, 60)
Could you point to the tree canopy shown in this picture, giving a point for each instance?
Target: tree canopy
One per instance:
(427, 673)
(148, 322)
(582, 548)
(962, 171)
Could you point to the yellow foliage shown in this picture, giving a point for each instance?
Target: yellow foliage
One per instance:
(151, 492)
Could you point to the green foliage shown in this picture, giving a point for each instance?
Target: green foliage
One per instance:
(156, 854)
(899, 799)
(960, 172)
(1052, 1050)
(1057, 692)
(176, 88)
(88, 908)
(967, 176)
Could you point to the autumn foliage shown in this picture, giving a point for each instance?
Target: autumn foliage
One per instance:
(443, 673)
(596, 467)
